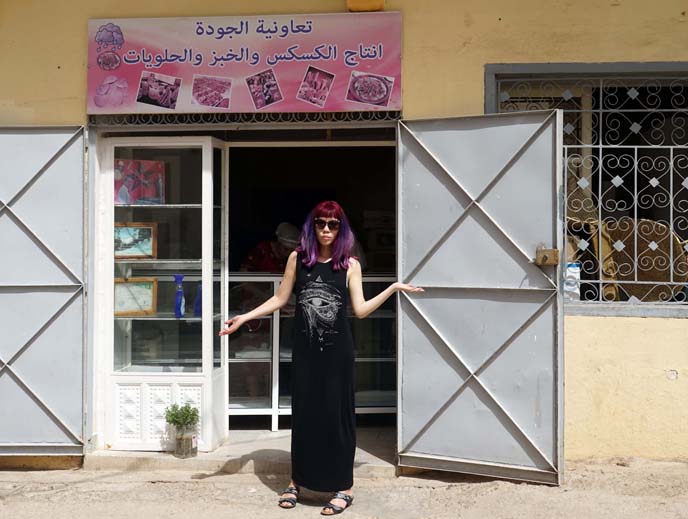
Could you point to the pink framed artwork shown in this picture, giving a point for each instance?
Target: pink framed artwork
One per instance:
(139, 182)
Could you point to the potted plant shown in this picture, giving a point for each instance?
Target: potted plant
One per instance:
(185, 421)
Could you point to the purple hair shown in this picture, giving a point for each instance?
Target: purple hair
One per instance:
(342, 245)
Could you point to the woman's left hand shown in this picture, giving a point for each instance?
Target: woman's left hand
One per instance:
(405, 287)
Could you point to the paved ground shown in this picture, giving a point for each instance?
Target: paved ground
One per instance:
(628, 489)
(255, 451)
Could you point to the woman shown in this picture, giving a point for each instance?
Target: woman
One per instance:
(323, 440)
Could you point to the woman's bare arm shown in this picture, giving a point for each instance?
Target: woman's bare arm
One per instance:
(275, 302)
(363, 308)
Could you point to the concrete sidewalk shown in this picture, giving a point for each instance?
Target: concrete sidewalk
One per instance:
(255, 452)
(622, 489)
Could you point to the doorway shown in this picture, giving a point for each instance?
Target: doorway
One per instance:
(271, 187)
(208, 221)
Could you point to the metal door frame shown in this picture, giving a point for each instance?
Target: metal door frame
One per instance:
(471, 466)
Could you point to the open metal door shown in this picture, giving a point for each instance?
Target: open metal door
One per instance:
(41, 291)
(480, 361)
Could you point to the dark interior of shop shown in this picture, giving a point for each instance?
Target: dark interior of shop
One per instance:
(282, 184)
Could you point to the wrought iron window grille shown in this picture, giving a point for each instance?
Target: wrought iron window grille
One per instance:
(626, 162)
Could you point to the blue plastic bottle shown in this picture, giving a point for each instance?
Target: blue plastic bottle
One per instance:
(179, 302)
(198, 301)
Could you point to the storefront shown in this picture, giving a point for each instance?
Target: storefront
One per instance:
(196, 206)
(228, 199)
(192, 174)
(200, 212)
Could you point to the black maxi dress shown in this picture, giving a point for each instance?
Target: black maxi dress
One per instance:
(323, 439)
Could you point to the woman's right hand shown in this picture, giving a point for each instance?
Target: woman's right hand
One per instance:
(233, 325)
(405, 287)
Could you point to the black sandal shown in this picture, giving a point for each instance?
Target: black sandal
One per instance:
(290, 500)
(336, 509)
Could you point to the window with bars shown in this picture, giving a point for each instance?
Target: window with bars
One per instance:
(626, 163)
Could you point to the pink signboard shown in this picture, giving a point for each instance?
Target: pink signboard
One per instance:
(301, 63)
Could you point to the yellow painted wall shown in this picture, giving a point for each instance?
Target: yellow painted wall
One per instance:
(621, 399)
(446, 44)
(626, 387)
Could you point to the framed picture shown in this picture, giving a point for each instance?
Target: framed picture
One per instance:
(136, 240)
(139, 182)
(136, 296)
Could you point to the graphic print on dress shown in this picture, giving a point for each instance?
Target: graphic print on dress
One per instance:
(320, 303)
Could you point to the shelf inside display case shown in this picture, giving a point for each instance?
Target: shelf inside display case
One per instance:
(166, 265)
(379, 398)
(249, 403)
(375, 383)
(160, 203)
(160, 206)
(163, 234)
(147, 369)
(284, 357)
(157, 344)
(251, 356)
(250, 385)
(253, 342)
(376, 398)
(162, 316)
(164, 206)
(375, 338)
(193, 264)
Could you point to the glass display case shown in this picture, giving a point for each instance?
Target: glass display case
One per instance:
(158, 260)
(165, 205)
(173, 286)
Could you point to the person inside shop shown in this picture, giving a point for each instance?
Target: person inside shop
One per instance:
(324, 275)
(272, 255)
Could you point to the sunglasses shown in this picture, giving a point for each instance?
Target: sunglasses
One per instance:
(332, 225)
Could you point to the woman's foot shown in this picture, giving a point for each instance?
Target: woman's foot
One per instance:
(339, 502)
(290, 496)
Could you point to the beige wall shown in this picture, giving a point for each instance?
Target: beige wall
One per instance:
(626, 387)
(622, 395)
(446, 44)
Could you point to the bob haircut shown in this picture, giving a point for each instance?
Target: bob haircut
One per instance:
(342, 245)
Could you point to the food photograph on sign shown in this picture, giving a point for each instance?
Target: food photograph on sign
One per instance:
(316, 86)
(159, 90)
(264, 89)
(211, 91)
(369, 88)
(112, 91)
